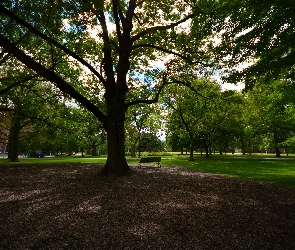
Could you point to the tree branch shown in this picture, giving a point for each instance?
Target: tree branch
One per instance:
(2, 91)
(144, 101)
(156, 98)
(108, 61)
(3, 58)
(51, 76)
(45, 120)
(140, 3)
(55, 43)
(130, 13)
(116, 16)
(164, 27)
(5, 109)
(147, 45)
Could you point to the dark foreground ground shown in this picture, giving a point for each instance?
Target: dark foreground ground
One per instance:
(73, 207)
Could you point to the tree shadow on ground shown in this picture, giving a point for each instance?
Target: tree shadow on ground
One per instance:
(71, 206)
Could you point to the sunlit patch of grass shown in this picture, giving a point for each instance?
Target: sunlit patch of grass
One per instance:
(59, 159)
(281, 172)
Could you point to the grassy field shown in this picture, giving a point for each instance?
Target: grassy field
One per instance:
(265, 168)
(279, 171)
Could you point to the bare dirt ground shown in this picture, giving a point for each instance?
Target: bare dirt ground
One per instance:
(73, 207)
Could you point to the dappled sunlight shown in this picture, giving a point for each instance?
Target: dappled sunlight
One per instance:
(145, 229)
(73, 207)
(40, 204)
(8, 196)
(90, 206)
(163, 207)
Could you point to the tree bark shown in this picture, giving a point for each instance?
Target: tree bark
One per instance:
(82, 152)
(207, 151)
(133, 150)
(116, 163)
(13, 139)
(243, 145)
(191, 151)
(94, 149)
(276, 141)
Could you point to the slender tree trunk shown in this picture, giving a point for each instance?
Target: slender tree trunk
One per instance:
(276, 141)
(243, 145)
(133, 147)
(207, 151)
(191, 151)
(181, 151)
(94, 149)
(286, 149)
(82, 151)
(13, 139)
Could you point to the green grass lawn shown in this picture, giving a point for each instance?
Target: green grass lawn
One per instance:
(265, 168)
(278, 171)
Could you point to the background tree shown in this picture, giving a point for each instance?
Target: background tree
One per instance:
(136, 123)
(176, 137)
(274, 105)
(259, 37)
(219, 118)
(190, 106)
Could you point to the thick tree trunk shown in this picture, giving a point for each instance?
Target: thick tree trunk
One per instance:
(116, 162)
(13, 139)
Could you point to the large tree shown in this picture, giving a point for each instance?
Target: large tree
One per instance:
(108, 44)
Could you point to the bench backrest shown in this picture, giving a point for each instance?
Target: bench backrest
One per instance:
(150, 159)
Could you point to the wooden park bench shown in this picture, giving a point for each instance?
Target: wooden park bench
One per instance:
(150, 160)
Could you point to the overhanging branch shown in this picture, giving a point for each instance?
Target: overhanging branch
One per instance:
(55, 43)
(51, 76)
(11, 86)
(147, 45)
(5, 109)
(156, 98)
(164, 27)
